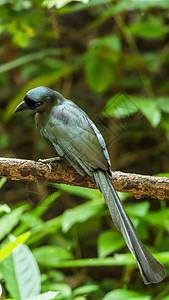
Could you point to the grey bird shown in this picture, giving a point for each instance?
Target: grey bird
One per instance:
(76, 137)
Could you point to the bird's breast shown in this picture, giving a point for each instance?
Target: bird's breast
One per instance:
(57, 122)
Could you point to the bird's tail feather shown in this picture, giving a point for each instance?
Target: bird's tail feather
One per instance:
(151, 269)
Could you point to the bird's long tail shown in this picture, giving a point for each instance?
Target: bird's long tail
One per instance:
(151, 269)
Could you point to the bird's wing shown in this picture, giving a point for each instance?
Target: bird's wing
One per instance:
(79, 139)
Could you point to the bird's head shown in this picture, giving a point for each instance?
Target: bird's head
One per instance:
(39, 99)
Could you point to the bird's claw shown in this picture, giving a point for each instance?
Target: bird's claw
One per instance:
(49, 161)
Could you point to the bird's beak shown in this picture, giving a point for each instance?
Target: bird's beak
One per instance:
(21, 106)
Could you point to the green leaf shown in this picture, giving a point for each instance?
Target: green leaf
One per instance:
(99, 75)
(8, 221)
(26, 59)
(142, 229)
(109, 42)
(130, 81)
(120, 105)
(86, 289)
(152, 29)
(81, 213)
(2, 181)
(21, 273)
(76, 190)
(116, 260)
(150, 110)
(80, 298)
(64, 290)
(45, 204)
(45, 296)
(5, 208)
(51, 226)
(101, 61)
(30, 220)
(144, 5)
(163, 104)
(163, 175)
(82, 6)
(99, 72)
(108, 242)
(59, 3)
(5, 251)
(122, 294)
(159, 218)
(50, 255)
(138, 209)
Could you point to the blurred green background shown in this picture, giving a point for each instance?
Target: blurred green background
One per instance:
(112, 59)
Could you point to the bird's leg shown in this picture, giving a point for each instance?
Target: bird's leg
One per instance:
(49, 161)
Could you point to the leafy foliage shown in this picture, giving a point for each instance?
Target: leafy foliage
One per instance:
(6, 250)
(21, 273)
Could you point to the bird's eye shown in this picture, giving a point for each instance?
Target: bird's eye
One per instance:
(31, 103)
(38, 103)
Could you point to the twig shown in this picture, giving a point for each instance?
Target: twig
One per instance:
(135, 184)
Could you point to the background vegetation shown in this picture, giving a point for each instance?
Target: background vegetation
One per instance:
(112, 58)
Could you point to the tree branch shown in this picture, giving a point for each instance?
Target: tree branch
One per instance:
(137, 185)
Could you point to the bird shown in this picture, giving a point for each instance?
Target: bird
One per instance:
(75, 137)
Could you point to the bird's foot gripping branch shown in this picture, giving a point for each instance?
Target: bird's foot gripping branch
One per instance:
(50, 161)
